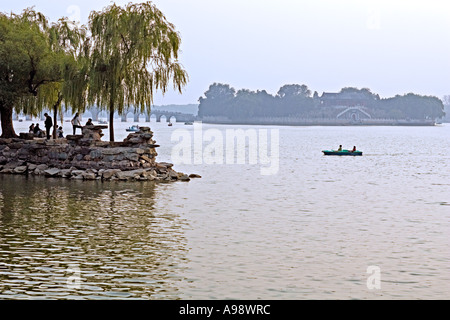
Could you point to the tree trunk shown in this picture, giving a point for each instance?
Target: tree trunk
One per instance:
(7, 122)
(111, 126)
(111, 114)
(55, 112)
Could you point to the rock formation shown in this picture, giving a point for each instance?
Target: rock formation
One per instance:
(87, 157)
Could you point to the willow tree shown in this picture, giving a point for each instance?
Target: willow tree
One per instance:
(35, 64)
(134, 54)
(23, 53)
(69, 40)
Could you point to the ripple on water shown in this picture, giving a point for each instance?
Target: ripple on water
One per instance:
(118, 255)
(309, 232)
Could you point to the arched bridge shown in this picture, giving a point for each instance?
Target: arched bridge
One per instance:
(157, 114)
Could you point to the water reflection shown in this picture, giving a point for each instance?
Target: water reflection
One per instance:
(123, 247)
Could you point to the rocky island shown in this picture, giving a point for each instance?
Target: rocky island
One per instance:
(87, 157)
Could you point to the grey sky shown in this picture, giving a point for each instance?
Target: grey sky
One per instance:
(392, 47)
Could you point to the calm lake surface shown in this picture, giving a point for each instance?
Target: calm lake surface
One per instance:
(308, 232)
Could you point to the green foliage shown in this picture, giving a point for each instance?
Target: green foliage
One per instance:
(131, 53)
(218, 99)
(38, 64)
(134, 53)
(365, 92)
(294, 90)
(412, 106)
(295, 100)
(222, 100)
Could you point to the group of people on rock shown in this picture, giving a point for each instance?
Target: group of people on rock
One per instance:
(48, 123)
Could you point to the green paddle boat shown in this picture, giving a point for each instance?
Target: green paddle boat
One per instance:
(342, 153)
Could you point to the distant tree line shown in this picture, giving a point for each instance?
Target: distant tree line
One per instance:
(294, 100)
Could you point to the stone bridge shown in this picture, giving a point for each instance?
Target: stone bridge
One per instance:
(95, 113)
(354, 113)
(157, 114)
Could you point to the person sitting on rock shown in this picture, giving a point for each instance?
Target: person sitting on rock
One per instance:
(37, 131)
(89, 122)
(31, 128)
(59, 132)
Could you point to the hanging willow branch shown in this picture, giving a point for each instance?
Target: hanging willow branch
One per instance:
(66, 83)
(134, 54)
(41, 65)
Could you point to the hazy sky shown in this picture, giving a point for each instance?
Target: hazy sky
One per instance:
(392, 47)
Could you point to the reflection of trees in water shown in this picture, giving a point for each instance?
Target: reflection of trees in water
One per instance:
(111, 230)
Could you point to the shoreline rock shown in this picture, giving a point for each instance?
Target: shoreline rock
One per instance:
(86, 157)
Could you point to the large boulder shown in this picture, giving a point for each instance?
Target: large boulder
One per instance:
(64, 173)
(52, 172)
(184, 177)
(130, 175)
(109, 173)
(76, 173)
(89, 175)
(20, 169)
(40, 169)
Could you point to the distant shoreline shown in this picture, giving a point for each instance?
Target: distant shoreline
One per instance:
(313, 122)
(317, 122)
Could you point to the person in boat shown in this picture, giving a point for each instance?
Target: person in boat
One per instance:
(89, 122)
(354, 149)
(340, 148)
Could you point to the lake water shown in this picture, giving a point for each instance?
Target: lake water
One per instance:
(309, 232)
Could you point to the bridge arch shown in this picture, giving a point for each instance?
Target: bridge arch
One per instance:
(152, 118)
(354, 113)
(124, 117)
(138, 116)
